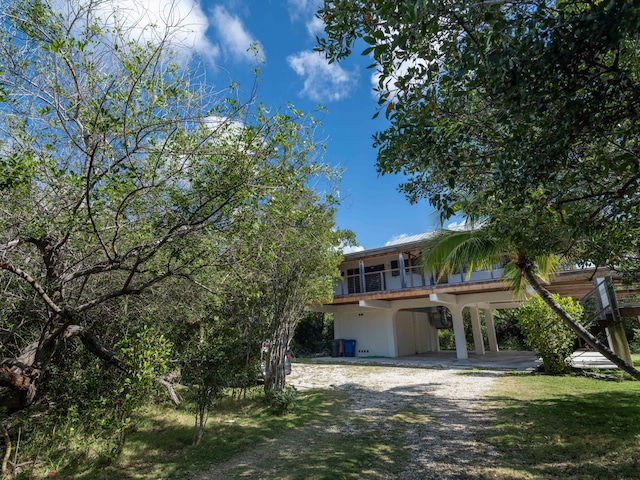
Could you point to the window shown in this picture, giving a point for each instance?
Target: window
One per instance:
(395, 270)
(411, 265)
(353, 280)
(374, 278)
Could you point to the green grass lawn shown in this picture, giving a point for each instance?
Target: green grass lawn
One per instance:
(306, 443)
(565, 427)
(544, 427)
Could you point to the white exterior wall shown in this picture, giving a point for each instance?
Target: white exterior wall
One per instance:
(385, 333)
(406, 333)
(415, 334)
(371, 329)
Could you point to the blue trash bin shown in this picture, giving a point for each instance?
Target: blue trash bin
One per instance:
(349, 348)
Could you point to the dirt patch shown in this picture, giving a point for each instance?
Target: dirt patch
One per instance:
(442, 447)
(437, 412)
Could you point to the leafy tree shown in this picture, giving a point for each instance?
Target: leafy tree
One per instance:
(120, 169)
(507, 332)
(300, 267)
(211, 363)
(314, 333)
(546, 333)
(529, 106)
(290, 244)
(521, 115)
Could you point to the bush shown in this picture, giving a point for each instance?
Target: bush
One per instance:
(545, 332)
(314, 334)
(281, 402)
(213, 361)
(508, 333)
(632, 329)
(446, 339)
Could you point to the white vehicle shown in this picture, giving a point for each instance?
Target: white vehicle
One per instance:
(264, 353)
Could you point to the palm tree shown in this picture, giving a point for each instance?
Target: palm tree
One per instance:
(450, 250)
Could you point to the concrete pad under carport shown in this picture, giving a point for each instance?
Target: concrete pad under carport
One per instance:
(523, 361)
(505, 360)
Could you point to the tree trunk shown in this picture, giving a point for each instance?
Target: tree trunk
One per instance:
(19, 378)
(7, 451)
(275, 378)
(274, 375)
(582, 332)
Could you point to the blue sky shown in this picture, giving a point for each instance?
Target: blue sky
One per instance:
(284, 32)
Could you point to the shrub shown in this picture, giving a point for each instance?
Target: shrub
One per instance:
(545, 331)
(314, 334)
(281, 402)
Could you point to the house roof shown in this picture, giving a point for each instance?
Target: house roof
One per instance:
(399, 244)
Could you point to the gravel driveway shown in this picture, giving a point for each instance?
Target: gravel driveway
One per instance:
(446, 411)
(444, 447)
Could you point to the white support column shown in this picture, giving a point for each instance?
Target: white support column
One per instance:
(491, 330)
(392, 335)
(434, 341)
(478, 340)
(458, 331)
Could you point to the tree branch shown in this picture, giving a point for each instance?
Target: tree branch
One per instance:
(34, 284)
(91, 343)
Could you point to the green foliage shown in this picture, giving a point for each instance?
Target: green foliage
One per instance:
(546, 333)
(507, 331)
(161, 447)
(447, 251)
(87, 409)
(521, 115)
(632, 330)
(288, 246)
(281, 402)
(447, 340)
(214, 360)
(102, 202)
(314, 334)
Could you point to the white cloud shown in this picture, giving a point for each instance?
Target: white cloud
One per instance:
(400, 69)
(235, 39)
(353, 249)
(151, 20)
(323, 81)
(461, 225)
(302, 9)
(315, 27)
(305, 10)
(396, 239)
(225, 127)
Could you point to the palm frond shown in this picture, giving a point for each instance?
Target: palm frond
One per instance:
(514, 277)
(546, 265)
(448, 251)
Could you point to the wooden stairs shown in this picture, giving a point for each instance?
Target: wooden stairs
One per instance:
(609, 308)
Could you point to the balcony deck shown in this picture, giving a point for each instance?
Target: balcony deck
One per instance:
(383, 286)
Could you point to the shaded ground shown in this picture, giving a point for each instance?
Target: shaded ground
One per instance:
(424, 420)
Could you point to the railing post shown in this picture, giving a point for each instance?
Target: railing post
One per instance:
(403, 274)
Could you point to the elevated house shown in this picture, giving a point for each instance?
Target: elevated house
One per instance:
(391, 308)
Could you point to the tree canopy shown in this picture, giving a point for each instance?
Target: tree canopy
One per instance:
(121, 167)
(523, 114)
